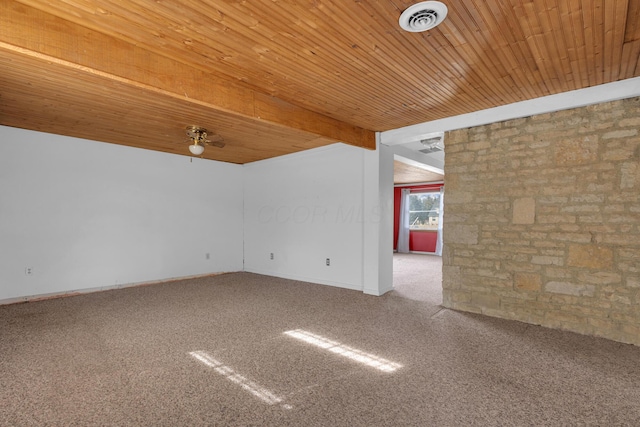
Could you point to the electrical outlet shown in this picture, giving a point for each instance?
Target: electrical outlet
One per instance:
(328, 262)
(28, 271)
(271, 255)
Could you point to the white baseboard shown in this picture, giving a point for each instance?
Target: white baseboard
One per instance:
(70, 293)
(306, 279)
(377, 292)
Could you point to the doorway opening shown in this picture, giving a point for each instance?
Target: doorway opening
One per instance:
(418, 219)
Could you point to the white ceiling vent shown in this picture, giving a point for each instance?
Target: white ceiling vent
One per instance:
(432, 145)
(423, 16)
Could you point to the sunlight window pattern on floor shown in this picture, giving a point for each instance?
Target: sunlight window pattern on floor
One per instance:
(258, 391)
(349, 352)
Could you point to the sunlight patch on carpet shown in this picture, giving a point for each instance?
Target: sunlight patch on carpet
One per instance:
(335, 347)
(258, 391)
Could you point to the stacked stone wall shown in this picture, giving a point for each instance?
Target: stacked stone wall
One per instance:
(542, 220)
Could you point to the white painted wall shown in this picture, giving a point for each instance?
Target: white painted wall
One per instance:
(85, 214)
(332, 202)
(307, 207)
(377, 244)
(378, 277)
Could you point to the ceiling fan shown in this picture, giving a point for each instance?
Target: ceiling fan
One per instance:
(199, 139)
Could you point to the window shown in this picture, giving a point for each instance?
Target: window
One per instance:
(424, 211)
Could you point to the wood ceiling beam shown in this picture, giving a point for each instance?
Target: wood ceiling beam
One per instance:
(39, 34)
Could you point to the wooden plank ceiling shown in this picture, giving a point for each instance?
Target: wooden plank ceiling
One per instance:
(274, 77)
(407, 174)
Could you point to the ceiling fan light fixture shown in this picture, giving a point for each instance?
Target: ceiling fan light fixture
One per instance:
(199, 139)
(423, 16)
(196, 149)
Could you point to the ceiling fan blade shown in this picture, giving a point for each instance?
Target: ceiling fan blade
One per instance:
(199, 136)
(216, 140)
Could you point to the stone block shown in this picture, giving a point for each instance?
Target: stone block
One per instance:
(493, 273)
(478, 145)
(524, 267)
(589, 311)
(612, 207)
(524, 211)
(451, 277)
(629, 175)
(532, 142)
(576, 151)
(567, 288)
(607, 187)
(617, 219)
(553, 200)
(601, 324)
(557, 273)
(458, 198)
(540, 124)
(633, 282)
(546, 260)
(633, 121)
(571, 237)
(600, 278)
(457, 136)
(623, 318)
(534, 236)
(485, 300)
(618, 134)
(447, 298)
(557, 219)
(590, 256)
(581, 208)
(620, 239)
(591, 219)
(504, 133)
(588, 198)
(631, 333)
(460, 296)
(462, 158)
(559, 299)
(617, 154)
(491, 284)
(457, 217)
(559, 318)
(447, 256)
(527, 282)
(619, 299)
(462, 234)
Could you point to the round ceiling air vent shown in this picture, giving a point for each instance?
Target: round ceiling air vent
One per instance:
(423, 16)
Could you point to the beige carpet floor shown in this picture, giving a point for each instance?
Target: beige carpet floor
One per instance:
(418, 277)
(248, 350)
